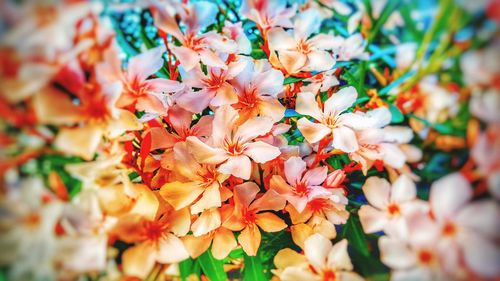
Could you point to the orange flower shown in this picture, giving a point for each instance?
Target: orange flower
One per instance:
(204, 234)
(247, 216)
(200, 184)
(321, 261)
(155, 240)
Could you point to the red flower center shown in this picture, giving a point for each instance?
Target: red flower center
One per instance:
(303, 47)
(153, 230)
(233, 148)
(318, 204)
(329, 275)
(301, 189)
(425, 257)
(393, 209)
(449, 229)
(215, 80)
(249, 216)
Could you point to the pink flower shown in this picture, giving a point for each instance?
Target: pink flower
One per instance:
(268, 13)
(468, 228)
(353, 47)
(386, 145)
(231, 144)
(180, 122)
(321, 82)
(456, 239)
(486, 154)
(214, 86)
(257, 88)
(414, 257)
(301, 186)
(195, 47)
(144, 95)
(235, 32)
(389, 205)
(299, 53)
(334, 121)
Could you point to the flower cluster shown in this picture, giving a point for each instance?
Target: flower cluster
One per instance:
(167, 139)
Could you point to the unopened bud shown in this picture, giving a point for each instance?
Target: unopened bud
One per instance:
(335, 179)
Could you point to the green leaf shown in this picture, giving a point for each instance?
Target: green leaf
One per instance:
(397, 115)
(253, 270)
(211, 267)
(291, 79)
(186, 268)
(2, 276)
(396, 83)
(353, 232)
(386, 12)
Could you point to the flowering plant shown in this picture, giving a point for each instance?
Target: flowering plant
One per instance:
(285, 140)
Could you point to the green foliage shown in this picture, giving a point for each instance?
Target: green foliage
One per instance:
(253, 269)
(47, 163)
(212, 267)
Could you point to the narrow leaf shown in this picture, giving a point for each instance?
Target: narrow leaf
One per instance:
(397, 115)
(253, 270)
(211, 267)
(353, 232)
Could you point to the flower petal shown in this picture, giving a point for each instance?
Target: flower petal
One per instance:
(204, 153)
(138, 260)
(395, 253)
(224, 95)
(245, 193)
(307, 23)
(261, 152)
(345, 139)
(145, 64)
(372, 220)
(253, 128)
(181, 194)
(171, 249)
(250, 239)
(188, 58)
(316, 249)
(210, 198)
(279, 39)
(223, 243)
(403, 189)
(315, 176)
(269, 201)
(292, 61)
(196, 245)
(319, 61)
(288, 258)
(482, 256)
(206, 222)
(81, 142)
(338, 257)
(269, 222)
(448, 195)
(312, 132)
(341, 101)
(294, 168)
(306, 105)
(195, 102)
(238, 166)
(377, 192)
